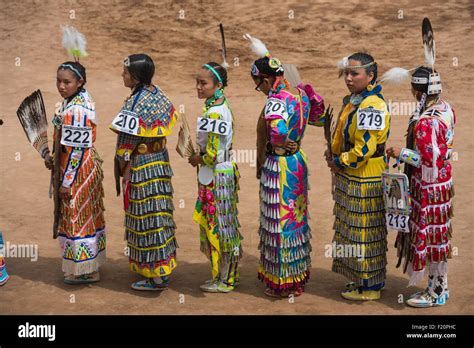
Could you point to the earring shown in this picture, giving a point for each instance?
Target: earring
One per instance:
(371, 86)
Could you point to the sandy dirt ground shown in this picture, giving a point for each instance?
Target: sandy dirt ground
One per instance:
(320, 33)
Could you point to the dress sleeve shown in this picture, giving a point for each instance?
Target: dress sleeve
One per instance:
(365, 144)
(276, 116)
(212, 146)
(316, 113)
(164, 125)
(262, 138)
(432, 146)
(365, 141)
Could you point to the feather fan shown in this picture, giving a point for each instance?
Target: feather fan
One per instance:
(32, 116)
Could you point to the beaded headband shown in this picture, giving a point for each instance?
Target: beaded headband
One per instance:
(73, 69)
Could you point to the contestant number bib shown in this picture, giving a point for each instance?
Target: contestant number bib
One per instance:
(396, 195)
(126, 122)
(76, 136)
(370, 119)
(276, 107)
(397, 222)
(211, 125)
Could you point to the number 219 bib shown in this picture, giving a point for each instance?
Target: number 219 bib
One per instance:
(370, 119)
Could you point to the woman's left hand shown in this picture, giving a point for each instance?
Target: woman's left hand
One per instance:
(393, 152)
(334, 168)
(195, 160)
(65, 193)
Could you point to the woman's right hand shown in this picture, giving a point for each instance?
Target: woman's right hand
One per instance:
(49, 162)
(291, 146)
(393, 152)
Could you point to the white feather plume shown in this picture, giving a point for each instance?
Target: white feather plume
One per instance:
(430, 54)
(225, 65)
(343, 63)
(74, 42)
(257, 46)
(396, 76)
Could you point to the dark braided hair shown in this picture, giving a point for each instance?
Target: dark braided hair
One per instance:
(78, 67)
(263, 66)
(423, 72)
(221, 71)
(141, 67)
(365, 58)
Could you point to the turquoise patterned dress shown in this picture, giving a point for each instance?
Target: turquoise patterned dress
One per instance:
(284, 231)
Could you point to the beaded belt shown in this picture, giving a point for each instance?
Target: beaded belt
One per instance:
(152, 147)
(280, 151)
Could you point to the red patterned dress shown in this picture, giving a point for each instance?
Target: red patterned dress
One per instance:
(432, 192)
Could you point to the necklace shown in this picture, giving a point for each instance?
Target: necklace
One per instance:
(356, 99)
(219, 93)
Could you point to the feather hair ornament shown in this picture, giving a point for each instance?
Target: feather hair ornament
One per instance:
(429, 46)
(257, 46)
(342, 65)
(428, 42)
(396, 76)
(74, 42)
(223, 48)
(400, 75)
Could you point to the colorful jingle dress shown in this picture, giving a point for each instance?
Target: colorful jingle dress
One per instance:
(3, 270)
(216, 205)
(432, 192)
(148, 193)
(284, 231)
(358, 148)
(81, 230)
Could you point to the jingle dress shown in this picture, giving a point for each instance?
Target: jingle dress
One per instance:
(432, 192)
(81, 231)
(284, 231)
(148, 192)
(359, 207)
(3, 270)
(216, 205)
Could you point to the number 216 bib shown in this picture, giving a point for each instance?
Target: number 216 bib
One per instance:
(216, 126)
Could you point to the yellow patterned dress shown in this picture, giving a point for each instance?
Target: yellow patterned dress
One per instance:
(216, 205)
(360, 238)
